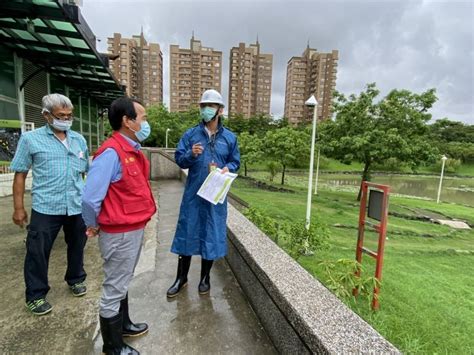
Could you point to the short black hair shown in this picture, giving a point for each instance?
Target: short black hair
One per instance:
(123, 106)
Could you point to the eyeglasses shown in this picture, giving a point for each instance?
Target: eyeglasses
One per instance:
(63, 117)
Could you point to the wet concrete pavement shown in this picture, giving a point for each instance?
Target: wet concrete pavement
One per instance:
(219, 323)
(70, 325)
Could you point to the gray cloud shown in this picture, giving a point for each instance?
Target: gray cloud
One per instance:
(414, 45)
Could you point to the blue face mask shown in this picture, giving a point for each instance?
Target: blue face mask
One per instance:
(208, 113)
(144, 131)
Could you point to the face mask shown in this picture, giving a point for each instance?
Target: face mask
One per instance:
(208, 113)
(61, 125)
(144, 131)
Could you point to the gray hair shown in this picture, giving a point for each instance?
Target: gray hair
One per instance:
(55, 100)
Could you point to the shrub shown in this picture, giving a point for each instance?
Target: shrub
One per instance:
(391, 164)
(340, 277)
(266, 224)
(302, 241)
(273, 168)
(294, 238)
(451, 165)
(323, 162)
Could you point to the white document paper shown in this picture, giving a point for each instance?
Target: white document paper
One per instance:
(216, 186)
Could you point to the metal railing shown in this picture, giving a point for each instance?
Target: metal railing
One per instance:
(5, 169)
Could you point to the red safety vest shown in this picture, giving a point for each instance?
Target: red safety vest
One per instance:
(129, 203)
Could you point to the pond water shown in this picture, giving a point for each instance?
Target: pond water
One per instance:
(455, 190)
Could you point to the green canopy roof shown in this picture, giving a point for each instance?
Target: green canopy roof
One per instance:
(53, 35)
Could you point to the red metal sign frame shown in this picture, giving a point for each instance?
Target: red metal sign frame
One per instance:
(381, 228)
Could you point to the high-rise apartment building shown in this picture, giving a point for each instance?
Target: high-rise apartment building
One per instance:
(192, 71)
(139, 67)
(250, 80)
(313, 73)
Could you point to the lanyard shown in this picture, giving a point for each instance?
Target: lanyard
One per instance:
(212, 145)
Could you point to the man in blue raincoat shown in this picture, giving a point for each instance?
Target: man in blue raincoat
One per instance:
(201, 228)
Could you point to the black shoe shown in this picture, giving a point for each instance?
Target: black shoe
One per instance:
(205, 284)
(178, 285)
(182, 276)
(78, 289)
(39, 307)
(111, 329)
(130, 329)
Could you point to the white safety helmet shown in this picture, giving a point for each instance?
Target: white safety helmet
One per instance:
(211, 97)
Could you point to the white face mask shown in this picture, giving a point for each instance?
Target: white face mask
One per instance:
(61, 125)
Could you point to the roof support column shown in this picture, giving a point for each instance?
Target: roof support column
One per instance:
(18, 62)
(48, 83)
(90, 121)
(80, 115)
(97, 125)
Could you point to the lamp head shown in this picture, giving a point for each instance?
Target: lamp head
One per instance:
(311, 102)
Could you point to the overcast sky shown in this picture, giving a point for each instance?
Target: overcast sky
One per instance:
(415, 45)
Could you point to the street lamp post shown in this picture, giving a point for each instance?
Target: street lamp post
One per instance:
(311, 102)
(443, 161)
(316, 178)
(166, 138)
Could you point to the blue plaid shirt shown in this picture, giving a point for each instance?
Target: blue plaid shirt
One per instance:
(57, 170)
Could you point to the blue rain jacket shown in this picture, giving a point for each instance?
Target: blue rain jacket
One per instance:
(201, 228)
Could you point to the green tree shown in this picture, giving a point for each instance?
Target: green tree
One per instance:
(238, 124)
(161, 119)
(287, 146)
(107, 128)
(445, 131)
(372, 132)
(273, 168)
(459, 150)
(455, 139)
(250, 149)
(258, 124)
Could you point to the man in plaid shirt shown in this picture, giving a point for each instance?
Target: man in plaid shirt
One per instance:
(58, 158)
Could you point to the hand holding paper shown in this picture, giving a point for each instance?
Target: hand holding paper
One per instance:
(216, 186)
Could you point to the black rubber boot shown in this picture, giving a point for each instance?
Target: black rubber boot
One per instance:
(130, 329)
(205, 283)
(111, 329)
(184, 261)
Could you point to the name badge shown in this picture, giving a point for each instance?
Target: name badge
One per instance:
(212, 166)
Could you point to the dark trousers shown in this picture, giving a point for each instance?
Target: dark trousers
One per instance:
(42, 232)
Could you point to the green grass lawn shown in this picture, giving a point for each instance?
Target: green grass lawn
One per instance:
(336, 165)
(466, 169)
(427, 303)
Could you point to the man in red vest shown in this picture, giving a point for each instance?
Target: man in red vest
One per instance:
(117, 203)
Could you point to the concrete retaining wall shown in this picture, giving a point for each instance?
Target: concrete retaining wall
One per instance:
(299, 314)
(162, 165)
(6, 183)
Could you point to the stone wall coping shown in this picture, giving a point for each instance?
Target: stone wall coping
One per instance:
(318, 316)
